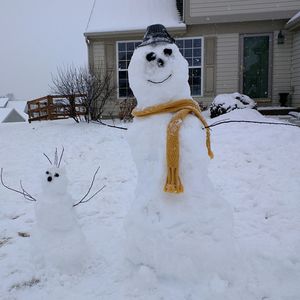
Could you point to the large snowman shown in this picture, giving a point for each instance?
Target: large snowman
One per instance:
(184, 236)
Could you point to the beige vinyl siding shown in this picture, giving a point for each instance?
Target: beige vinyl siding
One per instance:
(221, 7)
(296, 69)
(227, 77)
(281, 66)
(98, 50)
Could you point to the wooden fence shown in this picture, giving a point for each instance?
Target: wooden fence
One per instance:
(54, 107)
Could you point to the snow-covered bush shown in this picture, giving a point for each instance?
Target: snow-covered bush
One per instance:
(224, 103)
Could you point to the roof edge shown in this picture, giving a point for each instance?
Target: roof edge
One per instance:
(130, 32)
(294, 24)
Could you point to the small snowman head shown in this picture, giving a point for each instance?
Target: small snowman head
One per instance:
(55, 180)
(157, 71)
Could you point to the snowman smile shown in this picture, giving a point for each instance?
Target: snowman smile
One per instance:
(157, 82)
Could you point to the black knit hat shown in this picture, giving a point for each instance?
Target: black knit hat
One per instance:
(156, 33)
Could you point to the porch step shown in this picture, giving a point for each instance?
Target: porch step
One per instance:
(277, 110)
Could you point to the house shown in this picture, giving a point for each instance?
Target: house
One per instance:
(12, 110)
(231, 45)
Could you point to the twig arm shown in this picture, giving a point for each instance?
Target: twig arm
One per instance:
(25, 194)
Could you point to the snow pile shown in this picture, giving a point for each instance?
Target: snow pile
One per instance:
(224, 103)
(133, 15)
(186, 239)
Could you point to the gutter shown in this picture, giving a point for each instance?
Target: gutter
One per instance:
(294, 24)
(97, 34)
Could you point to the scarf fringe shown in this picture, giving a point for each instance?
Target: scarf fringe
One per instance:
(173, 182)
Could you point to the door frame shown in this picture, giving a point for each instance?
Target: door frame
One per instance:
(270, 73)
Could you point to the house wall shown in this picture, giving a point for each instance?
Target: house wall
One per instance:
(220, 11)
(296, 69)
(222, 69)
(282, 60)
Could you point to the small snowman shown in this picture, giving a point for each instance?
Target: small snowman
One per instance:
(58, 239)
(178, 227)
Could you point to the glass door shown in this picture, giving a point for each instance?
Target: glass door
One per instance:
(256, 65)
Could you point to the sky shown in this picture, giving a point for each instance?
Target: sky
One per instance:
(37, 37)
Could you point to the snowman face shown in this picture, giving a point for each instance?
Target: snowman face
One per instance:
(158, 73)
(55, 180)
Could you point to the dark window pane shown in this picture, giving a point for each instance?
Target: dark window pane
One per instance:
(196, 72)
(123, 92)
(129, 93)
(196, 62)
(122, 55)
(123, 83)
(137, 44)
(196, 80)
(122, 65)
(122, 46)
(190, 61)
(197, 43)
(179, 43)
(196, 90)
(123, 75)
(187, 52)
(129, 55)
(196, 52)
(188, 43)
(130, 46)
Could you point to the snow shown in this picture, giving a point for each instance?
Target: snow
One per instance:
(296, 16)
(224, 103)
(256, 170)
(295, 114)
(133, 15)
(3, 102)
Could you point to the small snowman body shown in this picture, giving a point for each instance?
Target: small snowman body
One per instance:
(57, 237)
(185, 236)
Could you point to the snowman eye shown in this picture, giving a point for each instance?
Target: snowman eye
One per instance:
(168, 51)
(47, 173)
(56, 175)
(150, 56)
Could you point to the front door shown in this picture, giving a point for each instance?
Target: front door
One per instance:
(256, 65)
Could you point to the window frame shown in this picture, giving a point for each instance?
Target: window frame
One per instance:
(189, 67)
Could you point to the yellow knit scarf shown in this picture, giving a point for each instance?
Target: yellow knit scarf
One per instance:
(181, 108)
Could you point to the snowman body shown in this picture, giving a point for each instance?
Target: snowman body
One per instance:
(58, 237)
(185, 236)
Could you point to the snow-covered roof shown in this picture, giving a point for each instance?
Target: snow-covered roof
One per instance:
(19, 105)
(131, 15)
(12, 115)
(293, 21)
(3, 101)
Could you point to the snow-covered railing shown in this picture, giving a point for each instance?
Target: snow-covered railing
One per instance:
(53, 107)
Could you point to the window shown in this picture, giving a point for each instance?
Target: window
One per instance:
(125, 51)
(190, 48)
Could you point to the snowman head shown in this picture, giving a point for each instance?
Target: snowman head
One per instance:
(55, 180)
(157, 71)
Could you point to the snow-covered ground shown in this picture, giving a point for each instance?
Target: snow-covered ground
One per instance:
(256, 169)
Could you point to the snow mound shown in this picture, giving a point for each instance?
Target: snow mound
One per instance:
(227, 102)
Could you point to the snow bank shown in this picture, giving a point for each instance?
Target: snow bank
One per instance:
(256, 169)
